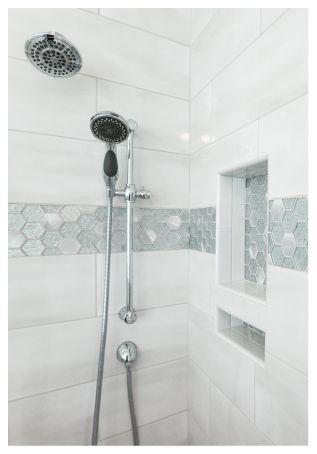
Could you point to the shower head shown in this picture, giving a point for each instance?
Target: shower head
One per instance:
(52, 54)
(109, 127)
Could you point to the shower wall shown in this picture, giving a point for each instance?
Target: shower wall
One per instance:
(248, 99)
(55, 175)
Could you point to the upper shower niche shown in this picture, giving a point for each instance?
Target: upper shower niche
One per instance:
(242, 232)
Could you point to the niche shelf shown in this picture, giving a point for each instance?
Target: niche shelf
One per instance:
(248, 339)
(242, 233)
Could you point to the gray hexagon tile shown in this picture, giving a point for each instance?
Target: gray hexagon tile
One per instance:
(202, 230)
(82, 229)
(291, 232)
(255, 241)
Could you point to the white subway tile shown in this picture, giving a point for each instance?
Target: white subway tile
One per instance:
(200, 19)
(109, 49)
(223, 255)
(49, 357)
(224, 202)
(283, 135)
(196, 436)
(221, 41)
(171, 23)
(228, 426)
(269, 16)
(46, 290)
(160, 279)
(281, 403)
(58, 418)
(199, 280)
(235, 149)
(50, 105)
(198, 397)
(287, 318)
(231, 371)
(163, 121)
(200, 120)
(269, 75)
(159, 391)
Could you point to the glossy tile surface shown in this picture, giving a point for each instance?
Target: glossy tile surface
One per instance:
(269, 16)
(200, 120)
(196, 437)
(198, 397)
(200, 19)
(199, 286)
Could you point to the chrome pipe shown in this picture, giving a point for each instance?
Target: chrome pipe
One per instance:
(104, 324)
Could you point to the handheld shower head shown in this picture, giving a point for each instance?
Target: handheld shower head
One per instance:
(109, 127)
(52, 54)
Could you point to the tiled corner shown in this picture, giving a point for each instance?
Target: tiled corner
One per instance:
(203, 230)
(55, 229)
(288, 233)
(255, 229)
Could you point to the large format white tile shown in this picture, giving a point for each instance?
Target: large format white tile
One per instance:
(171, 23)
(264, 77)
(237, 148)
(200, 120)
(200, 18)
(160, 335)
(199, 280)
(50, 105)
(228, 426)
(109, 49)
(281, 403)
(159, 391)
(196, 437)
(163, 121)
(269, 16)
(223, 255)
(92, 10)
(55, 170)
(287, 307)
(225, 37)
(49, 357)
(231, 371)
(170, 431)
(160, 279)
(58, 418)
(283, 135)
(198, 397)
(51, 289)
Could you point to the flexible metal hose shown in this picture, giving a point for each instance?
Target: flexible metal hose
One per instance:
(131, 405)
(104, 325)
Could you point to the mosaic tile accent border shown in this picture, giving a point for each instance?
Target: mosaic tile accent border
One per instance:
(288, 233)
(202, 235)
(255, 242)
(257, 330)
(36, 230)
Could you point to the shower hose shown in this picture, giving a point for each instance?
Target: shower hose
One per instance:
(103, 343)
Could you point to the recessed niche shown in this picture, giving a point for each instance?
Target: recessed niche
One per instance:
(242, 335)
(242, 233)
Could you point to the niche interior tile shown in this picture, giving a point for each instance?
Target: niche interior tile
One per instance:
(51, 251)
(301, 258)
(33, 213)
(289, 222)
(33, 247)
(161, 244)
(87, 237)
(15, 221)
(14, 253)
(33, 230)
(51, 221)
(70, 230)
(148, 236)
(70, 213)
(15, 239)
(300, 234)
(51, 239)
(288, 245)
(15, 207)
(87, 221)
(69, 246)
(52, 208)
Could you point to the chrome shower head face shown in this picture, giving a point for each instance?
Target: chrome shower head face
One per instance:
(52, 54)
(109, 127)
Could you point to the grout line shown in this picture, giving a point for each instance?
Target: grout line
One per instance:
(274, 21)
(235, 58)
(248, 124)
(288, 365)
(104, 378)
(116, 82)
(205, 27)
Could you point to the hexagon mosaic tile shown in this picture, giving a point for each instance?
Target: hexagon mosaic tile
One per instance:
(288, 233)
(56, 229)
(255, 242)
(203, 230)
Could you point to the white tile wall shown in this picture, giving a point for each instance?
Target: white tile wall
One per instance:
(160, 279)
(269, 16)
(199, 285)
(196, 437)
(200, 18)
(110, 50)
(171, 23)
(46, 290)
(198, 397)
(269, 75)
(200, 120)
(223, 39)
(281, 403)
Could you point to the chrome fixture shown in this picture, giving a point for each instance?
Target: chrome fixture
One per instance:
(127, 353)
(113, 129)
(52, 54)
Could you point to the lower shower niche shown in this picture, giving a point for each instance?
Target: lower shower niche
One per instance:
(242, 335)
(242, 232)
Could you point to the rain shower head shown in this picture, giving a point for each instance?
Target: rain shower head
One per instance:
(109, 127)
(52, 54)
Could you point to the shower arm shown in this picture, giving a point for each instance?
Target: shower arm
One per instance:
(130, 193)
